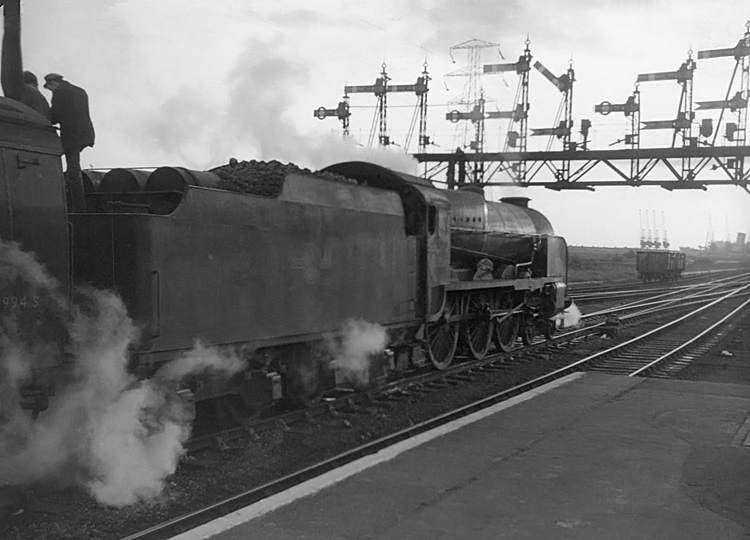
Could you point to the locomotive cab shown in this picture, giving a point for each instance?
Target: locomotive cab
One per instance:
(426, 217)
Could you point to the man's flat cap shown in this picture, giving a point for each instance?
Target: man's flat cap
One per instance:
(52, 77)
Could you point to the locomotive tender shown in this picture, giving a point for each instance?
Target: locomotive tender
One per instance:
(275, 276)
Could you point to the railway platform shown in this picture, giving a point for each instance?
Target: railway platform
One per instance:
(590, 456)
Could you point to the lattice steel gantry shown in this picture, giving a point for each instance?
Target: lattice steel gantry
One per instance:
(381, 89)
(473, 98)
(516, 139)
(683, 166)
(682, 125)
(735, 132)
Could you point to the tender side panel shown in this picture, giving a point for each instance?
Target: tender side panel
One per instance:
(33, 201)
(228, 267)
(33, 214)
(271, 270)
(113, 251)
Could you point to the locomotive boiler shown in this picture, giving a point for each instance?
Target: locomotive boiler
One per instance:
(507, 233)
(273, 266)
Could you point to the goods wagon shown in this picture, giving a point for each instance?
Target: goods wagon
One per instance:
(659, 265)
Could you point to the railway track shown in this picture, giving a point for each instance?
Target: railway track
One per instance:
(670, 347)
(697, 320)
(667, 296)
(628, 290)
(586, 288)
(603, 322)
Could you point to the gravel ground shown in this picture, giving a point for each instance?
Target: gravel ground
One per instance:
(725, 362)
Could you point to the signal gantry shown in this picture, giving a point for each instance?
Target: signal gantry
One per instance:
(564, 118)
(682, 166)
(473, 99)
(697, 157)
(735, 132)
(381, 89)
(517, 137)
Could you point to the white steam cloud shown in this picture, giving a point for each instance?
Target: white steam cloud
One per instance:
(106, 430)
(570, 317)
(200, 359)
(357, 352)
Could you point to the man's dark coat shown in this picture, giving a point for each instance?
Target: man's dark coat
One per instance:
(70, 108)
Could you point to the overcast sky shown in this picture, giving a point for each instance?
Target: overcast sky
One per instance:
(195, 82)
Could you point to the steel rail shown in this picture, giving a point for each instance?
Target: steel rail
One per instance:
(692, 341)
(603, 286)
(422, 377)
(194, 519)
(615, 293)
(700, 289)
(685, 302)
(654, 331)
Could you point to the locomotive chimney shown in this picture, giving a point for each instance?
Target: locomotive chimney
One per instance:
(523, 202)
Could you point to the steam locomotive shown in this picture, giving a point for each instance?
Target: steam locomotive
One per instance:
(276, 275)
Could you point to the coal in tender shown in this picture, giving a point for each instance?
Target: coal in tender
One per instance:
(264, 178)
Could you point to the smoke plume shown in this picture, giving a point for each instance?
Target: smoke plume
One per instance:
(117, 436)
(357, 352)
(266, 124)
